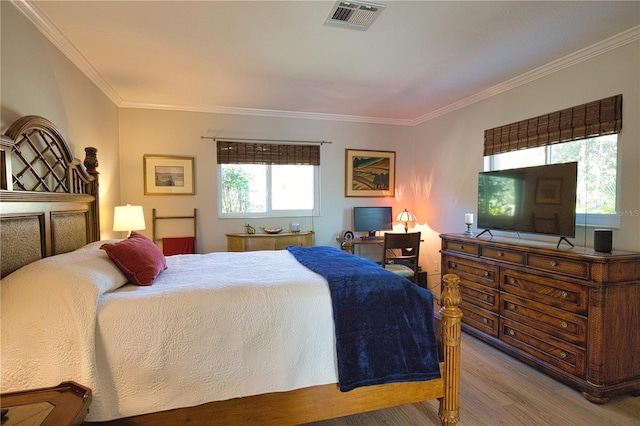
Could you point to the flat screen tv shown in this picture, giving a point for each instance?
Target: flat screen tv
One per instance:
(536, 200)
(372, 219)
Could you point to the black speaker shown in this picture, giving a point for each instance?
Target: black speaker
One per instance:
(603, 240)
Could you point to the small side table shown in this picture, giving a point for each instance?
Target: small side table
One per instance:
(253, 242)
(65, 404)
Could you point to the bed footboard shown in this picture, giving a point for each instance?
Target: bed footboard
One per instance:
(323, 402)
(451, 319)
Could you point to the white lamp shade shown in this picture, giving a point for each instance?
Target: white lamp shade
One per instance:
(128, 218)
(406, 216)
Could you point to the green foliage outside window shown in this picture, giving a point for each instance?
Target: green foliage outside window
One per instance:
(597, 161)
(235, 189)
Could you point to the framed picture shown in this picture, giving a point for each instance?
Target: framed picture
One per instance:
(548, 191)
(166, 175)
(370, 173)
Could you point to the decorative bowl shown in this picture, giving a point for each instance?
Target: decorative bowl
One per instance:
(271, 230)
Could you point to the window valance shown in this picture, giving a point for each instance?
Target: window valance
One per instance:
(597, 118)
(230, 152)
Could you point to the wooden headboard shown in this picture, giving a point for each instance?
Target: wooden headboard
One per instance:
(49, 200)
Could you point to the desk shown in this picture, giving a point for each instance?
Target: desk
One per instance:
(349, 245)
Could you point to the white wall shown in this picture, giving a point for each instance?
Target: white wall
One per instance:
(179, 133)
(37, 79)
(450, 148)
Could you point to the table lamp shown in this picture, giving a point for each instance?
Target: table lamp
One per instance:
(406, 217)
(128, 218)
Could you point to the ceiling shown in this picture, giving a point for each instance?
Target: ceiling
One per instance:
(418, 59)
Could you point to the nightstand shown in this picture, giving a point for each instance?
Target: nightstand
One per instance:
(65, 404)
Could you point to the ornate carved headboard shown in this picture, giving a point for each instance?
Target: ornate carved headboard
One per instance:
(48, 200)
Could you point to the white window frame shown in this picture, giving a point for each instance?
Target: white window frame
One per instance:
(589, 220)
(269, 211)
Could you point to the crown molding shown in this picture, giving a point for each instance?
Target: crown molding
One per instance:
(629, 36)
(59, 40)
(53, 33)
(269, 113)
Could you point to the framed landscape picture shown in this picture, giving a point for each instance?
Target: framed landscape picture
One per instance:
(167, 175)
(370, 173)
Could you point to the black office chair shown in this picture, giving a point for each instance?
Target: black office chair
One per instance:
(400, 254)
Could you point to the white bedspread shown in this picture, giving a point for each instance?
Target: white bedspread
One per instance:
(212, 327)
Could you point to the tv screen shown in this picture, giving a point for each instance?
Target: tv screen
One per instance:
(537, 200)
(372, 219)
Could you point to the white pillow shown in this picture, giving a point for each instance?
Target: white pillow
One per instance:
(86, 266)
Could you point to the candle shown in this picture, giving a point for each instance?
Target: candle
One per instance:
(468, 218)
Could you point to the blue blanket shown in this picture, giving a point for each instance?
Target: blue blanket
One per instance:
(383, 322)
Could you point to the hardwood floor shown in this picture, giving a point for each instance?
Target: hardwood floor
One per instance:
(497, 389)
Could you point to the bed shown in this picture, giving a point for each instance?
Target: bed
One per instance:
(222, 345)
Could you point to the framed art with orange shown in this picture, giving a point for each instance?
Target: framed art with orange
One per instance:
(370, 173)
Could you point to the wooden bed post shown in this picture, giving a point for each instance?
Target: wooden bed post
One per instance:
(91, 164)
(451, 319)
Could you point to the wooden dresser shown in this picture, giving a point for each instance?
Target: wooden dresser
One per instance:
(254, 242)
(573, 313)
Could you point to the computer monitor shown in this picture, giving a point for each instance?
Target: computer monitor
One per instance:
(372, 219)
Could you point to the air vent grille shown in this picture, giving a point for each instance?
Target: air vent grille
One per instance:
(354, 14)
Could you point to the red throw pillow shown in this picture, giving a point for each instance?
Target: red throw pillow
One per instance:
(137, 257)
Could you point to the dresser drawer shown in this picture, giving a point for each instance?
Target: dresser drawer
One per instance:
(462, 247)
(472, 270)
(556, 322)
(504, 255)
(290, 240)
(544, 347)
(557, 265)
(482, 296)
(481, 320)
(561, 294)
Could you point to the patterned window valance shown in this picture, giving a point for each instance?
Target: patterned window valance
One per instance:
(597, 118)
(267, 153)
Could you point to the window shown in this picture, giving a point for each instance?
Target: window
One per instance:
(596, 199)
(586, 133)
(267, 180)
(251, 190)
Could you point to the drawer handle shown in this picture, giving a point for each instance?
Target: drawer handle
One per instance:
(512, 306)
(564, 294)
(564, 324)
(454, 265)
(461, 247)
(485, 296)
(484, 320)
(554, 263)
(486, 273)
(511, 332)
(500, 254)
(512, 280)
(563, 355)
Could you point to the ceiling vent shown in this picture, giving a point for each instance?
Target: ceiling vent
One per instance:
(358, 15)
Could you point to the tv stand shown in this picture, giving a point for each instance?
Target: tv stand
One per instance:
(570, 313)
(486, 230)
(564, 239)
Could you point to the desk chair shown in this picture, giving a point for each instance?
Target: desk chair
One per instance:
(400, 254)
